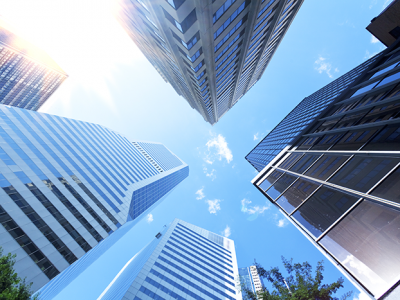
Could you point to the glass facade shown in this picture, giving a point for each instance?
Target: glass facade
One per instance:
(28, 76)
(250, 280)
(172, 267)
(338, 180)
(67, 185)
(183, 25)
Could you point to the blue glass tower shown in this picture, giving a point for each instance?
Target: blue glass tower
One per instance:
(183, 261)
(66, 185)
(28, 75)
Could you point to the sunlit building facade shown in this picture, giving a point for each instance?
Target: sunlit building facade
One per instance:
(250, 280)
(28, 75)
(183, 261)
(66, 185)
(211, 52)
(335, 172)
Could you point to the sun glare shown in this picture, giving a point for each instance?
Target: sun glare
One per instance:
(82, 36)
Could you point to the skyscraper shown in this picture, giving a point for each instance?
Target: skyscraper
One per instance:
(251, 280)
(182, 262)
(211, 52)
(66, 185)
(28, 75)
(332, 167)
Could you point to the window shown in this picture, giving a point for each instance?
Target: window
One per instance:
(388, 139)
(353, 140)
(229, 20)
(224, 7)
(296, 194)
(322, 209)
(281, 185)
(304, 163)
(367, 243)
(270, 180)
(361, 173)
(389, 189)
(290, 160)
(327, 141)
(326, 166)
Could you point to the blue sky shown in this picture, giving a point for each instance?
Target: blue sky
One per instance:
(112, 84)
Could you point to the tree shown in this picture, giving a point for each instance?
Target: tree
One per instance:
(299, 285)
(12, 287)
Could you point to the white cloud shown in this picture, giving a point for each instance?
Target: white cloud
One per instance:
(282, 223)
(200, 194)
(361, 296)
(213, 206)
(255, 137)
(149, 218)
(251, 210)
(368, 55)
(210, 174)
(209, 161)
(227, 231)
(322, 66)
(374, 40)
(221, 145)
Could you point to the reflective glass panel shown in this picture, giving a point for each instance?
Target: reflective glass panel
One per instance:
(281, 185)
(326, 166)
(304, 163)
(326, 141)
(296, 194)
(353, 140)
(367, 243)
(388, 139)
(270, 180)
(322, 209)
(290, 160)
(389, 189)
(361, 173)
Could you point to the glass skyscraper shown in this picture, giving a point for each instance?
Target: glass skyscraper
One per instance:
(333, 170)
(66, 185)
(250, 279)
(28, 75)
(211, 52)
(182, 262)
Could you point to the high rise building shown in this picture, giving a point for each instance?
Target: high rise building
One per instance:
(332, 167)
(183, 261)
(66, 185)
(211, 51)
(28, 75)
(251, 280)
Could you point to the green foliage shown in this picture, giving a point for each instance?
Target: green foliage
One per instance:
(11, 286)
(301, 284)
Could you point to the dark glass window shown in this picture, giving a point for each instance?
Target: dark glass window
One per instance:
(361, 173)
(389, 189)
(290, 160)
(176, 3)
(388, 139)
(367, 243)
(327, 141)
(307, 143)
(389, 78)
(377, 114)
(353, 140)
(296, 194)
(305, 162)
(270, 180)
(322, 209)
(326, 166)
(281, 185)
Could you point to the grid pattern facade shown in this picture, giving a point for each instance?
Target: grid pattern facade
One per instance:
(250, 279)
(162, 156)
(28, 76)
(211, 52)
(183, 262)
(304, 114)
(66, 185)
(339, 182)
